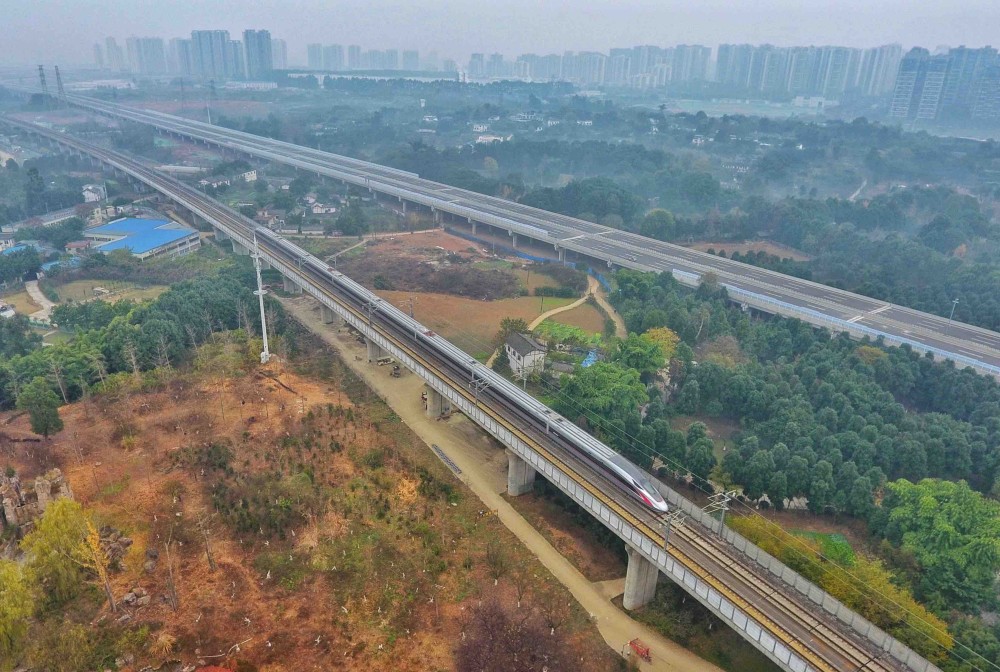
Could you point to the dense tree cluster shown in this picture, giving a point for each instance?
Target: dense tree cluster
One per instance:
(133, 337)
(596, 199)
(16, 337)
(20, 264)
(56, 235)
(948, 537)
(821, 417)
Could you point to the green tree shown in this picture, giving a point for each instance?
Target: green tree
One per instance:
(701, 459)
(42, 405)
(61, 646)
(822, 487)
(55, 550)
(659, 224)
(953, 532)
(602, 395)
(34, 193)
(639, 353)
(757, 473)
(16, 607)
(508, 326)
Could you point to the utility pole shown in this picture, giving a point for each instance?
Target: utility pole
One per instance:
(720, 502)
(671, 520)
(211, 97)
(266, 354)
(954, 303)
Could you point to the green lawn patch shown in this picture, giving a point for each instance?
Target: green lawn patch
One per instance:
(833, 546)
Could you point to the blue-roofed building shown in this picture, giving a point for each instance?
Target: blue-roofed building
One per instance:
(144, 238)
(15, 249)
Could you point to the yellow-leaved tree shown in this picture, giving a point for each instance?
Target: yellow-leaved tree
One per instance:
(17, 604)
(666, 338)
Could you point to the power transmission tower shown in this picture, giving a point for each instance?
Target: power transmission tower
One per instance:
(266, 355)
(59, 85)
(45, 86)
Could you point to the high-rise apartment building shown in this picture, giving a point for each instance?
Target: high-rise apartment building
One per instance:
(879, 66)
(619, 68)
(314, 56)
(180, 59)
(477, 66)
(411, 60)
(733, 63)
(98, 57)
(495, 66)
(115, 56)
(146, 55)
(213, 54)
(353, 57)
(257, 56)
(986, 101)
(333, 57)
(279, 54)
(237, 59)
(966, 67)
(919, 85)
(690, 63)
(835, 68)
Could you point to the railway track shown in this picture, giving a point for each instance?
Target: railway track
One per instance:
(776, 607)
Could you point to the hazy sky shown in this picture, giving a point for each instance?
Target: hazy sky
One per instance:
(63, 31)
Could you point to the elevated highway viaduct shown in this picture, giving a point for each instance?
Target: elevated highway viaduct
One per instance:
(754, 287)
(790, 620)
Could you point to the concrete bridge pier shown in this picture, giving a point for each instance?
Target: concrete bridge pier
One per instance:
(374, 350)
(520, 475)
(437, 404)
(513, 240)
(474, 226)
(240, 250)
(640, 580)
(290, 286)
(328, 316)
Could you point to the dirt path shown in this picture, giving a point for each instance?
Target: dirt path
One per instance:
(484, 470)
(593, 289)
(853, 197)
(598, 292)
(386, 234)
(43, 315)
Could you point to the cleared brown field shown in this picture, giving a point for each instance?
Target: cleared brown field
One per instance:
(21, 301)
(585, 317)
(469, 323)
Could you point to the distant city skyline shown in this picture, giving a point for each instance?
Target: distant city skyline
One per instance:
(65, 31)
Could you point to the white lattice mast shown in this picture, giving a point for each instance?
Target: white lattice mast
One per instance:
(266, 355)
